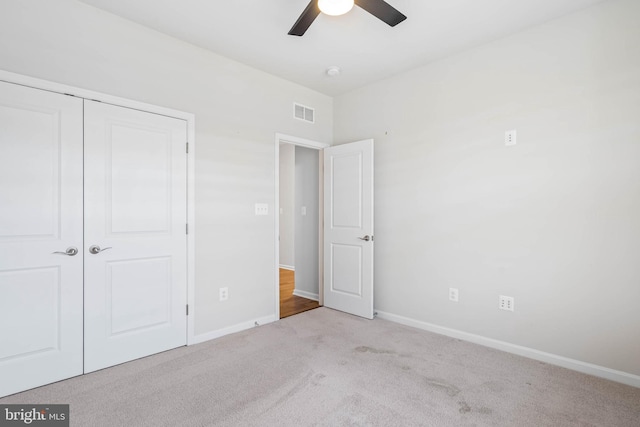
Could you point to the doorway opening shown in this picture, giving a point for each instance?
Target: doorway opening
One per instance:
(299, 210)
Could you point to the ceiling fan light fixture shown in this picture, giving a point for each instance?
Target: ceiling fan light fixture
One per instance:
(335, 7)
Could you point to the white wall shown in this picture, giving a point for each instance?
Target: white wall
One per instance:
(306, 226)
(553, 221)
(238, 110)
(287, 165)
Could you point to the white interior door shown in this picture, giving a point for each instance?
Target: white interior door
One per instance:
(40, 219)
(348, 228)
(135, 237)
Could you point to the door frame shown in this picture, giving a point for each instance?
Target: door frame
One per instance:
(64, 89)
(315, 145)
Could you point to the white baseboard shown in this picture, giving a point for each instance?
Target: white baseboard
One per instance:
(553, 359)
(305, 294)
(232, 329)
(287, 267)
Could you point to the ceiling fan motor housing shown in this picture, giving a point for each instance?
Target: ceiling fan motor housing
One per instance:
(378, 8)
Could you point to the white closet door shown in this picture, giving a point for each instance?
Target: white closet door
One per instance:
(40, 214)
(135, 238)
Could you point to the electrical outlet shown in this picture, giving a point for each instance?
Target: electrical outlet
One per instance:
(510, 137)
(224, 294)
(262, 209)
(506, 303)
(453, 294)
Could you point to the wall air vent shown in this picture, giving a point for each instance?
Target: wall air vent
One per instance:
(301, 112)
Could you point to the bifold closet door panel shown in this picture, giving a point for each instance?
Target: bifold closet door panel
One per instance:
(40, 237)
(135, 237)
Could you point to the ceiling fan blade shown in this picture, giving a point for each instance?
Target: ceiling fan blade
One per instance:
(307, 17)
(382, 10)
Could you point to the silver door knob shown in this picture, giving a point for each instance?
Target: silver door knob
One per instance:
(365, 238)
(71, 251)
(95, 249)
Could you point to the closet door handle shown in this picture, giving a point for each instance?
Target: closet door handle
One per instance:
(95, 249)
(71, 251)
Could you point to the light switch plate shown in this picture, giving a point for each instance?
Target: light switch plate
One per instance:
(510, 137)
(262, 209)
(506, 303)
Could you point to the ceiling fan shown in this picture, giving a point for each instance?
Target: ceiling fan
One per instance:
(378, 8)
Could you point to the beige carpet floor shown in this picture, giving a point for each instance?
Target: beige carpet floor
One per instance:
(326, 368)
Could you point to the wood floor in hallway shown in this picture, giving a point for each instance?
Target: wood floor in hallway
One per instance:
(292, 304)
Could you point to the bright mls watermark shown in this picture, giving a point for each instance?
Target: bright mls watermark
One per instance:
(34, 415)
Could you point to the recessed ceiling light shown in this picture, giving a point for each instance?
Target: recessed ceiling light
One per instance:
(335, 7)
(333, 71)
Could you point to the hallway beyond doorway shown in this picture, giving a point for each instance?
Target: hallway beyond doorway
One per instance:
(292, 304)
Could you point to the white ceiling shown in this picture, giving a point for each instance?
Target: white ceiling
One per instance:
(254, 32)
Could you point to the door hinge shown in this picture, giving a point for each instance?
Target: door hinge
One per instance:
(186, 228)
(187, 147)
(187, 309)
